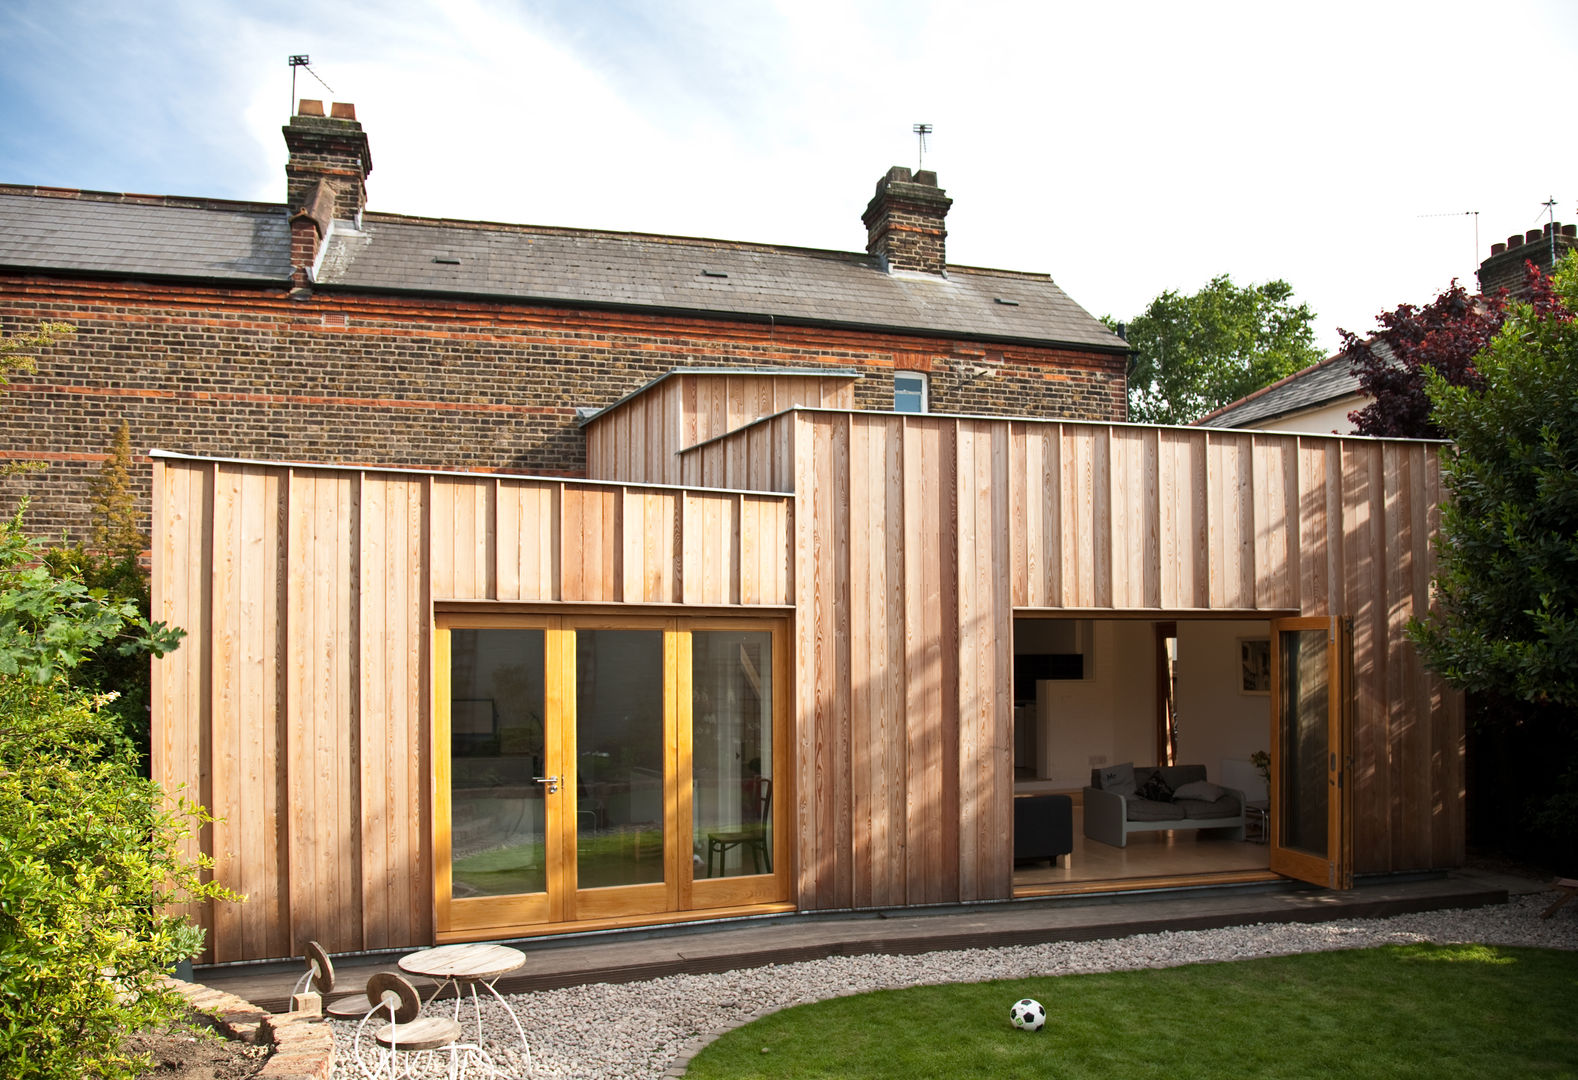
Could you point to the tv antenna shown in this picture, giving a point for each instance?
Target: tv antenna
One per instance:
(921, 131)
(301, 60)
(1550, 208)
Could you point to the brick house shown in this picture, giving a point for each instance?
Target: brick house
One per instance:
(315, 330)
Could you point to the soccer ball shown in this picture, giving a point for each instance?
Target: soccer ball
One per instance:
(1026, 1014)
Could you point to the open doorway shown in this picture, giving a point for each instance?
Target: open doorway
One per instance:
(1093, 694)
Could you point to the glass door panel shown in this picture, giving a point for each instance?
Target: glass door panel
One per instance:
(1309, 688)
(494, 862)
(731, 753)
(620, 758)
(1303, 803)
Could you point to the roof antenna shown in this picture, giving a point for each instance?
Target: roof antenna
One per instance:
(1550, 207)
(921, 131)
(300, 60)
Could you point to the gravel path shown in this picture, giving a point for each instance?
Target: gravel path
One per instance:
(637, 1030)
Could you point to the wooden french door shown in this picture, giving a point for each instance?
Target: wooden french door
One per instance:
(1311, 716)
(600, 770)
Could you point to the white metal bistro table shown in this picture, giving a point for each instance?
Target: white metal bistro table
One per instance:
(463, 966)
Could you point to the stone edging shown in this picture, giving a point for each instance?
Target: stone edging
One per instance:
(303, 1044)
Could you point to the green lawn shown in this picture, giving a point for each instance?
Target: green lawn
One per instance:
(1402, 1011)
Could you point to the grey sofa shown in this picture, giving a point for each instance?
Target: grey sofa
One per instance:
(1114, 807)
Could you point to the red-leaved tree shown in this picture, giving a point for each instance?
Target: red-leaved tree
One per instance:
(1443, 336)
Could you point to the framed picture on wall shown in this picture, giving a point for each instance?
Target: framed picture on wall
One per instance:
(1254, 665)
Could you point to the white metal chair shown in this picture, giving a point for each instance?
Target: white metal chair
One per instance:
(408, 1040)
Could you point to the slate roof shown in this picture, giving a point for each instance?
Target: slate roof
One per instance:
(96, 233)
(1320, 384)
(145, 236)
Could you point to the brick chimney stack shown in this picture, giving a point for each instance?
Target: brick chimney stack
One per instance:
(1505, 270)
(331, 149)
(904, 222)
(325, 179)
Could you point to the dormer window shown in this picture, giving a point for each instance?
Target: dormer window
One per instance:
(911, 392)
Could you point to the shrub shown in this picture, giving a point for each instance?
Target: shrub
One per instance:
(90, 851)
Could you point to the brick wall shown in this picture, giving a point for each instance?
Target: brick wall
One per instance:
(390, 381)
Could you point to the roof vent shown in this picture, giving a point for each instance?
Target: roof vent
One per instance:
(1006, 301)
(447, 260)
(713, 273)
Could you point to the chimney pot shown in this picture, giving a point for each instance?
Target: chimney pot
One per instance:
(309, 107)
(1498, 249)
(1531, 236)
(1515, 241)
(1570, 230)
(343, 110)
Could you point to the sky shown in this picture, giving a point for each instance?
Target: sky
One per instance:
(1366, 153)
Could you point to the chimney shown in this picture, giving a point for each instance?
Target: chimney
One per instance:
(332, 149)
(1542, 247)
(325, 178)
(904, 222)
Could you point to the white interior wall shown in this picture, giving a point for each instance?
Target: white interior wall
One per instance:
(1109, 716)
(1217, 721)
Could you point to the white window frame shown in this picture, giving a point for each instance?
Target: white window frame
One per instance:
(918, 390)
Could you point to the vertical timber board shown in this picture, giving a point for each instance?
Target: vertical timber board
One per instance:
(376, 730)
(1100, 520)
(392, 715)
(919, 675)
(972, 548)
(1315, 528)
(862, 635)
(230, 866)
(1405, 737)
(507, 552)
(1024, 518)
(799, 468)
(323, 780)
(948, 658)
(842, 774)
(888, 462)
(1363, 562)
(922, 683)
(1126, 521)
(1169, 519)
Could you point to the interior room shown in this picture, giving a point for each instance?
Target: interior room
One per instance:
(1091, 694)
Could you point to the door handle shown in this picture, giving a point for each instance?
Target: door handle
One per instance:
(551, 781)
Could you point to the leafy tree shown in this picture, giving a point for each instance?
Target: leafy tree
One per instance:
(1506, 624)
(1507, 572)
(1200, 352)
(1443, 337)
(89, 850)
(116, 528)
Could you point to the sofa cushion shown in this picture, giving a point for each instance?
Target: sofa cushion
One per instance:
(1203, 790)
(1194, 809)
(1118, 779)
(1150, 810)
